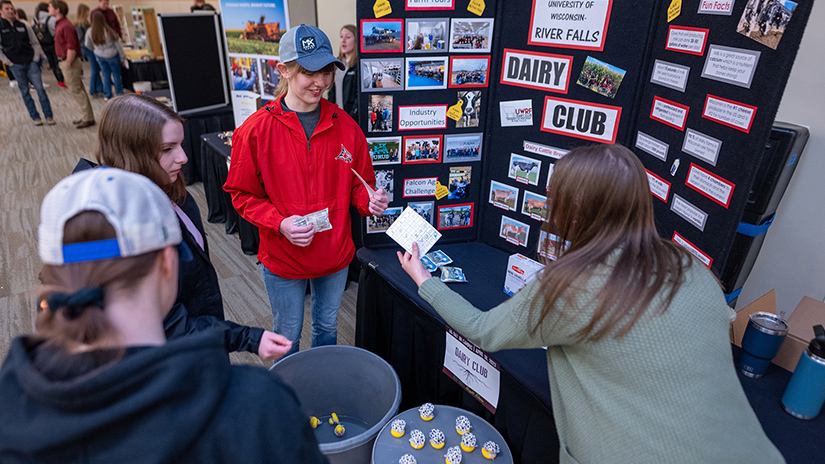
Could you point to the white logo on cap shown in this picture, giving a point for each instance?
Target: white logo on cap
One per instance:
(308, 44)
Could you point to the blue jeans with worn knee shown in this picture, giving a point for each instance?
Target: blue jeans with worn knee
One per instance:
(286, 296)
(30, 73)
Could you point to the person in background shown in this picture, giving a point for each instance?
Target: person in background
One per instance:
(108, 50)
(295, 156)
(111, 17)
(345, 87)
(20, 51)
(98, 381)
(244, 83)
(67, 47)
(201, 5)
(636, 329)
(44, 26)
(82, 23)
(21, 15)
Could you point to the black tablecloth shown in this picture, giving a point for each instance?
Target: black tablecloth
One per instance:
(398, 325)
(152, 71)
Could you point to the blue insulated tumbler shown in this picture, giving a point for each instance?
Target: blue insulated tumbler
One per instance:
(805, 394)
(761, 342)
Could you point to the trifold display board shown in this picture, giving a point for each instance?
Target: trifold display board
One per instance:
(692, 87)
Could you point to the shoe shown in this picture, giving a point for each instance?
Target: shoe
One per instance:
(61, 84)
(85, 124)
(13, 84)
(38, 122)
(76, 122)
(46, 86)
(50, 121)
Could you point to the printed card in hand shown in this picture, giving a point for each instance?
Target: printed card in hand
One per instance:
(411, 228)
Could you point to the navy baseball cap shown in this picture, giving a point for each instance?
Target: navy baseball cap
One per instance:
(309, 46)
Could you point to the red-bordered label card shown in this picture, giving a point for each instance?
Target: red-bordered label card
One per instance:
(699, 254)
(583, 120)
(710, 185)
(422, 117)
(729, 113)
(419, 187)
(687, 40)
(671, 113)
(659, 187)
(570, 24)
(534, 70)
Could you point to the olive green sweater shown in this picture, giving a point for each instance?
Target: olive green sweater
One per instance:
(667, 392)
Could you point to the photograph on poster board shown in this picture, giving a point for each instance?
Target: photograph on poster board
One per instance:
(426, 73)
(503, 196)
(523, 169)
(384, 180)
(470, 71)
(455, 216)
(471, 35)
(422, 149)
(515, 232)
(382, 35)
(382, 75)
(254, 30)
(421, 5)
(426, 35)
(380, 113)
(384, 150)
(270, 76)
(470, 108)
(765, 20)
(245, 74)
(601, 77)
(535, 206)
(459, 182)
(462, 147)
(380, 224)
(579, 25)
(424, 209)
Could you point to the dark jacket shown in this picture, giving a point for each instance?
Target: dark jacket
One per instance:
(349, 92)
(178, 403)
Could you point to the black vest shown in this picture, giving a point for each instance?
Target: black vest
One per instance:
(15, 40)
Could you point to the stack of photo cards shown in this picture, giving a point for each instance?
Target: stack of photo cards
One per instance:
(439, 259)
(452, 274)
(411, 228)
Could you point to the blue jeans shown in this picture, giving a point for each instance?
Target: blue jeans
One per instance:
(286, 296)
(111, 72)
(30, 73)
(95, 84)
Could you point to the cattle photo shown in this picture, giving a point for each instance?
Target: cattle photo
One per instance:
(377, 224)
(384, 180)
(524, 169)
(470, 108)
(503, 196)
(514, 231)
(535, 206)
(765, 20)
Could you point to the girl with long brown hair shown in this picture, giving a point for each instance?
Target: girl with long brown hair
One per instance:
(636, 329)
(108, 49)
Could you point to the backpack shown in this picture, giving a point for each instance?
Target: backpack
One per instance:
(44, 35)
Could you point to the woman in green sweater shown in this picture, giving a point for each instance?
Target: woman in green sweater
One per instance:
(636, 330)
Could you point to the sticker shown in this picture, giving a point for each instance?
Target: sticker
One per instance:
(420, 187)
(383, 75)
(513, 231)
(671, 113)
(384, 150)
(729, 113)
(687, 40)
(462, 147)
(459, 186)
(426, 35)
(651, 145)
(424, 209)
(689, 212)
(380, 223)
(716, 7)
(384, 179)
(570, 24)
(516, 113)
(422, 117)
(601, 77)
(455, 216)
(469, 71)
(704, 258)
(765, 22)
(731, 65)
(540, 71)
(471, 108)
(702, 146)
(440, 191)
(545, 150)
(422, 149)
(583, 120)
(426, 73)
(710, 185)
(454, 112)
(674, 10)
(659, 187)
(382, 35)
(524, 169)
(476, 7)
(670, 75)
(535, 206)
(381, 8)
(430, 4)
(503, 196)
(379, 114)
(471, 35)
(674, 167)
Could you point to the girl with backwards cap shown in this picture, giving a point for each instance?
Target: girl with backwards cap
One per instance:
(298, 155)
(98, 381)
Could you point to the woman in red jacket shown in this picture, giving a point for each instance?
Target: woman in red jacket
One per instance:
(295, 156)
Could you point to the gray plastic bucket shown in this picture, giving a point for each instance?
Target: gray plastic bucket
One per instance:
(349, 381)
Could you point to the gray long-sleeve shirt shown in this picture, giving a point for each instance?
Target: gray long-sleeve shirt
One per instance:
(109, 49)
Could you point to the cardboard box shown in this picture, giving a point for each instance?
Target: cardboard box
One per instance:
(808, 313)
(520, 270)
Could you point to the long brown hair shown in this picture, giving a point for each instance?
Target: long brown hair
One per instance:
(101, 29)
(599, 201)
(82, 16)
(354, 60)
(130, 137)
(293, 67)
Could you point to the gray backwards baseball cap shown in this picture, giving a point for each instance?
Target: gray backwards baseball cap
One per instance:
(309, 46)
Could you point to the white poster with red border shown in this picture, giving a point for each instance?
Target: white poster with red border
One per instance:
(659, 187)
(570, 24)
(729, 113)
(583, 120)
(534, 70)
(699, 254)
(710, 185)
(684, 39)
(668, 112)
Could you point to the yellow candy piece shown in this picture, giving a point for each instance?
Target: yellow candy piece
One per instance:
(437, 446)
(417, 446)
(427, 418)
(397, 434)
(487, 454)
(469, 449)
(339, 430)
(314, 421)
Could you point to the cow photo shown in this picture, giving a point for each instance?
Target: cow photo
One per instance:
(470, 108)
(535, 206)
(514, 231)
(765, 20)
(503, 196)
(380, 224)
(523, 169)
(384, 180)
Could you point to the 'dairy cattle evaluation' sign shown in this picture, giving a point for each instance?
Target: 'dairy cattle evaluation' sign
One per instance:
(583, 120)
(570, 23)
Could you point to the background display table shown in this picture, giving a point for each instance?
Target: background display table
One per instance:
(152, 71)
(398, 325)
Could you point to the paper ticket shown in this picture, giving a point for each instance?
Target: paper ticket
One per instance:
(320, 219)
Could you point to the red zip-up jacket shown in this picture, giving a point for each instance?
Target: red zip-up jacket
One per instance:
(275, 173)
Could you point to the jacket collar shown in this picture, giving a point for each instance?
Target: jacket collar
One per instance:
(290, 119)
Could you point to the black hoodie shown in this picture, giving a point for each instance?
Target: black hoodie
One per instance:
(178, 403)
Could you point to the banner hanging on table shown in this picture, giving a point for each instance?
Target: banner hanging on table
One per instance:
(472, 368)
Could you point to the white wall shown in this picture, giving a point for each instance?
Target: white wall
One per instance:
(333, 15)
(792, 259)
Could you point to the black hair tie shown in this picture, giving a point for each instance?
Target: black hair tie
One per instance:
(76, 302)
